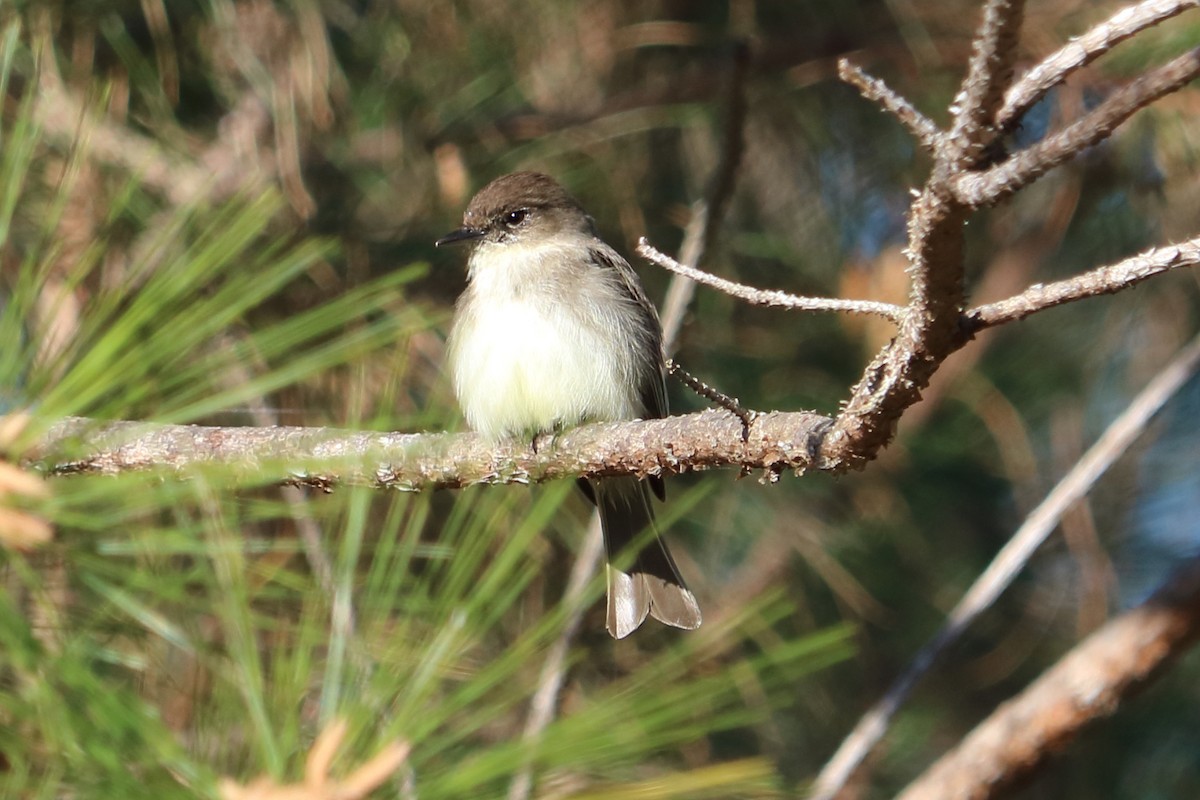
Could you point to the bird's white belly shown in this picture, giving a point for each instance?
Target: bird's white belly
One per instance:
(524, 368)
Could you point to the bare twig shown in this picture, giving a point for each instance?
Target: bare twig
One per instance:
(1040, 523)
(701, 388)
(989, 73)
(920, 126)
(545, 699)
(1087, 684)
(1083, 50)
(929, 328)
(765, 297)
(977, 189)
(1103, 280)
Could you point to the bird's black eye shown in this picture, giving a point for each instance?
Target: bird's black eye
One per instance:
(515, 218)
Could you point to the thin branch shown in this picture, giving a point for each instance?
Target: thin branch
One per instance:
(323, 457)
(920, 126)
(701, 388)
(1103, 280)
(989, 73)
(545, 699)
(765, 297)
(1083, 50)
(977, 189)
(1040, 523)
(705, 223)
(1086, 685)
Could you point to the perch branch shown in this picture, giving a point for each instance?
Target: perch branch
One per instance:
(322, 457)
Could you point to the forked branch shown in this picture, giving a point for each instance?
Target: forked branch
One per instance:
(976, 189)
(1083, 50)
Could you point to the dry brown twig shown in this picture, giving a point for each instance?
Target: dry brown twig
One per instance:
(19, 529)
(765, 297)
(977, 189)
(1088, 684)
(1103, 280)
(318, 784)
(875, 90)
(989, 72)
(711, 393)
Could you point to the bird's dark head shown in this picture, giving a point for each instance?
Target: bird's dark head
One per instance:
(520, 207)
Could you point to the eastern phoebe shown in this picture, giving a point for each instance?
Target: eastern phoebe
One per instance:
(554, 330)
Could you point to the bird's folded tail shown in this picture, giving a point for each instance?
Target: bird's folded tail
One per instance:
(651, 585)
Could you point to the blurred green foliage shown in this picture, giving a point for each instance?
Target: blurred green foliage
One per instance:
(223, 212)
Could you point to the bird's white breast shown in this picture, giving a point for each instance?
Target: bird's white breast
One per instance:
(526, 356)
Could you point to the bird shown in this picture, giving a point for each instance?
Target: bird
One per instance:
(554, 330)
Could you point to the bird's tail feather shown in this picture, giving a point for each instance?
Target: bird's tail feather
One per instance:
(651, 585)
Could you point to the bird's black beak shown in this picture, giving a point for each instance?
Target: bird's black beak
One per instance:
(463, 234)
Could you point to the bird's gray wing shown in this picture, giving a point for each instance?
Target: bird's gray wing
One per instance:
(653, 387)
(653, 378)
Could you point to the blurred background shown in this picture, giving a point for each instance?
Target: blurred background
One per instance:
(223, 213)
